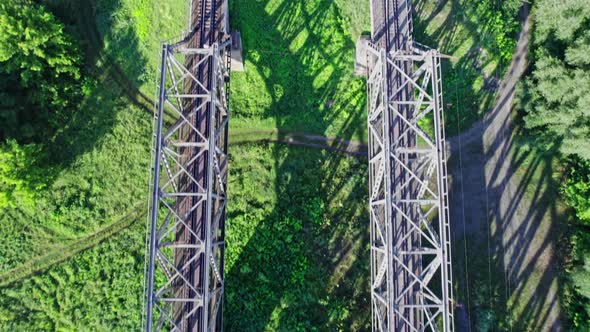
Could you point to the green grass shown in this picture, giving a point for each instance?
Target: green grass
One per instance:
(97, 290)
(299, 59)
(297, 240)
(542, 174)
(63, 253)
(96, 168)
(133, 31)
(455, 29)
(510, 293)
(297, 223)
(85, 178)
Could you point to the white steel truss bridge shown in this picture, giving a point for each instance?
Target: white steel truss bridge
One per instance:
(411, 284)
(189, 191)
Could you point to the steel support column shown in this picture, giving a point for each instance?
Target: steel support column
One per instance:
(411, 284)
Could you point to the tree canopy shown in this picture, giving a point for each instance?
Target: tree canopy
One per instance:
(40, 67)
(559, 88)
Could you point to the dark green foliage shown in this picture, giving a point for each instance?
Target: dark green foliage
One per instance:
(19, 179)
(297, 241)
(576, 297)
(69, 191)
(81, 179)
(500, 20)
(40, 70)
(98, 290)
(556, 100)
(577, 189)
(576, 192)
(558, 91)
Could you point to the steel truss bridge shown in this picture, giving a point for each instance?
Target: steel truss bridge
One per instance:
(411, 284)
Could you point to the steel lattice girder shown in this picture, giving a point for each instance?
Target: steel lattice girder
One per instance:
(185, 272)
(411, 284)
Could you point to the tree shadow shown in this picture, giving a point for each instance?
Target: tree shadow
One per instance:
(55, 219)
(304, 265)
(477, 87)
(113, 81)
(506, 220)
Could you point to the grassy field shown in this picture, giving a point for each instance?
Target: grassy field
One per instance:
(94, 170)
(297, 241)
(297, 235)
(299, 59)
(82, 181)
(97, 290)
(480, 53)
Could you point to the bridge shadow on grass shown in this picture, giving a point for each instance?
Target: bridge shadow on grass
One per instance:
(447, 26)
(297, 230)
(506, 222)
(112, 87)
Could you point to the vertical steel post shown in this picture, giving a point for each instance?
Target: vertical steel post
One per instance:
(386, 118)
(156, 190)
(209, 186)
(446, 284)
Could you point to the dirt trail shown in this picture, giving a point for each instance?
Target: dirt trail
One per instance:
(299, 139)
(490, 199)
(56, 256)
(43, 262)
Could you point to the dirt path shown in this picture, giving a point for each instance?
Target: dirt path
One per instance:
(299, 139)
(43, 262)
(494, 199)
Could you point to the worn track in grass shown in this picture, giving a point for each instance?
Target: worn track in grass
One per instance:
(43, 262)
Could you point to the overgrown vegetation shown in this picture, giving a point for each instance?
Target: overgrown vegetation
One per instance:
(40, 67)
(297, 241)
(299, 60)
(480, 36)
(67, 192)
(297, 235)
(559, 85)
(556, 103)
(97, 290)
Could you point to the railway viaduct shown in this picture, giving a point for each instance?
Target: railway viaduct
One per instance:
(411, 284)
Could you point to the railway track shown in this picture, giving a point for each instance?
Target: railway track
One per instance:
(404, 85)
(205, 16)
(191, 157)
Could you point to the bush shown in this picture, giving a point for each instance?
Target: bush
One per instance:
(501, 22)
(558, 89)
(17, 177)
(40, 66)
(577, 190)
